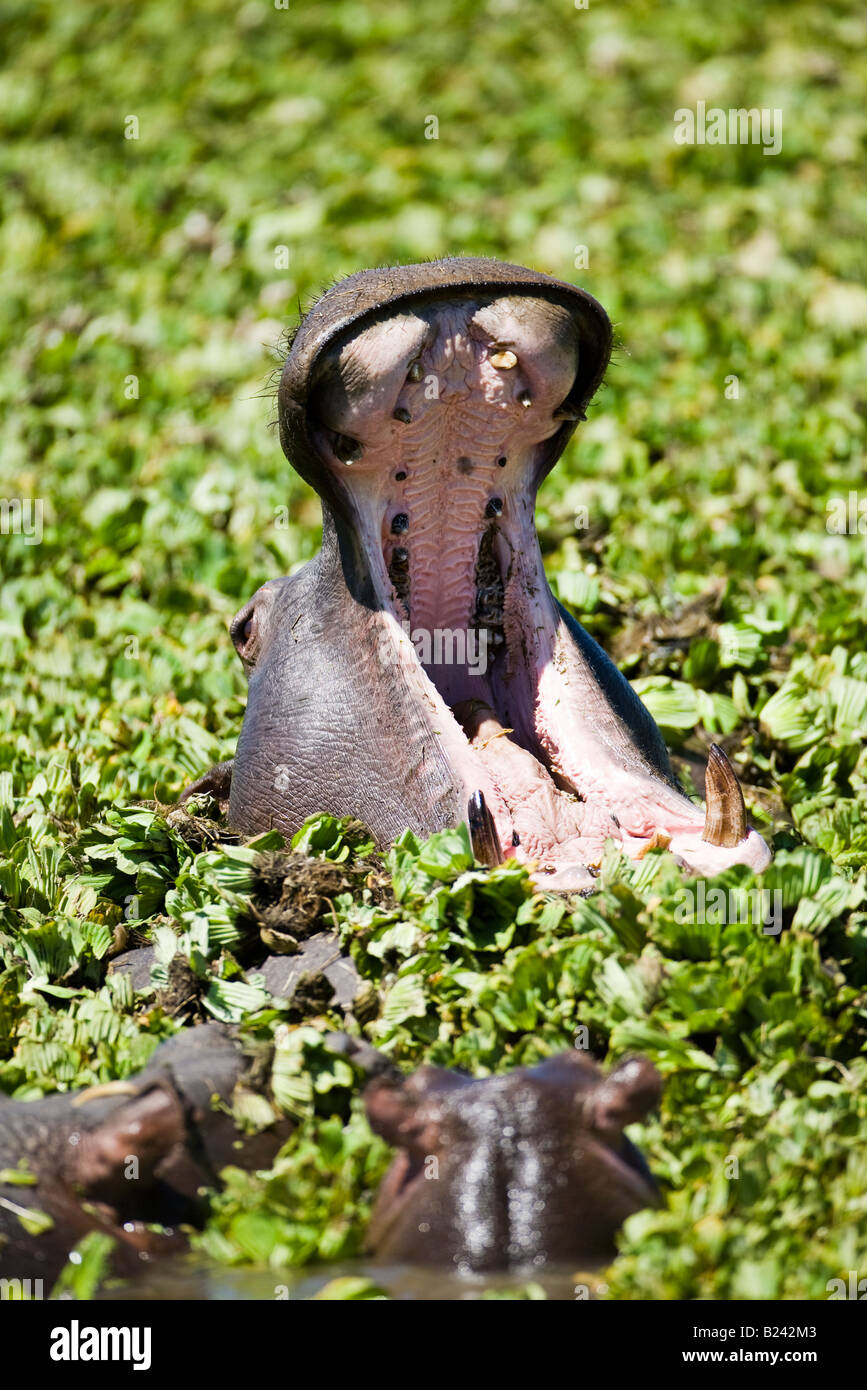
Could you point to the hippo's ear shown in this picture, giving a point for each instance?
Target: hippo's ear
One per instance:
(626, 1095)
(126, 1144)
(401, 1110)
(389, 1108)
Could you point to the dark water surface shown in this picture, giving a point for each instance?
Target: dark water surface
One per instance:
(189, 1277)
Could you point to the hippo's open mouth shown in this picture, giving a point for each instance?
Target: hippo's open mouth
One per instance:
(419, 671)
(435, 418)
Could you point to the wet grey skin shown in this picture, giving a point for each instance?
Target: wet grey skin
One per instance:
(419, 672)
(511, 1172)
(77, 1149)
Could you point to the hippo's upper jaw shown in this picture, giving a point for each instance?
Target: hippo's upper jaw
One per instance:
(420, 671)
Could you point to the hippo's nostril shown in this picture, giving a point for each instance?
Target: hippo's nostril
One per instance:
(348, 450)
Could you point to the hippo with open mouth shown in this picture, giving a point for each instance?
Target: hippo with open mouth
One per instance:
(419, 672)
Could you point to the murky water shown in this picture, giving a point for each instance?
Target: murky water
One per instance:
(185, 1278)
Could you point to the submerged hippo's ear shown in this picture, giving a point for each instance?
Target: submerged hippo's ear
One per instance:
(131, 1140)
(626, 1095)
(388, 1109)
(407, 1112)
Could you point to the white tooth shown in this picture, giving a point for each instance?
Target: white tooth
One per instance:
(504, 360)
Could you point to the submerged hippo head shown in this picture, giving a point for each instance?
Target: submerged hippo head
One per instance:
(124, 1157)
(419, 671)
(525, 1169)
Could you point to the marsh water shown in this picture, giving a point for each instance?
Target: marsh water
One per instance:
(189, 1277)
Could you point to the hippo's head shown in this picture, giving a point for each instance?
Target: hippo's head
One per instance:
(419, 671)
(526, 1169)
(125, 1157)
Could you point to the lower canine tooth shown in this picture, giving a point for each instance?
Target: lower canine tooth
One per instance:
(725, 822)
(483, 833)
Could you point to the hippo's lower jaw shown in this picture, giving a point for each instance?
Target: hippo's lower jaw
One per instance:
(434, 421)
(549, 771)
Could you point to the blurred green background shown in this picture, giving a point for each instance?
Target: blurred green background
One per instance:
(146, 284)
